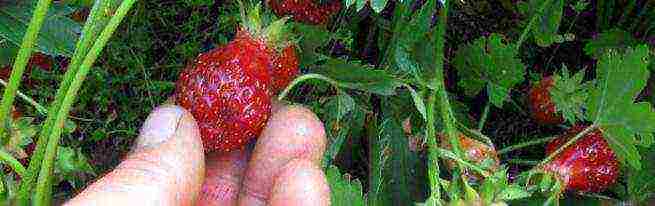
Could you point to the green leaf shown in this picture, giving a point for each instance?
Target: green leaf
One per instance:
(349, 3)
(569, 94)
(612, 39)
(338, 126)
(545, 33)
(513, 192)
(546, 182)
(580, 6)
(8, 52)
(312, 39)
(356, 76)
(487, 62)
(621, 77)
(378, 5)
(399, 163)
(641, 183)
(414, 49)
(343, 190)
(418, 102)
(58, 34)
(360, 4)
(71, 164)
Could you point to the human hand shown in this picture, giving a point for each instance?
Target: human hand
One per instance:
(167, 165)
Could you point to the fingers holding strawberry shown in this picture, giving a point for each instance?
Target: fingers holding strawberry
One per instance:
(286, 158)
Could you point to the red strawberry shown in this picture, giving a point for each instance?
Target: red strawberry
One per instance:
(588, 165)
(306, 11)
(285, 69)
(227, 90)
(476, 152)
(541, 105)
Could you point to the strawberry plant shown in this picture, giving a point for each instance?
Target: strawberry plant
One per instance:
(429, 102)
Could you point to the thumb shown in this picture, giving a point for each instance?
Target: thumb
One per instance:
(165, 167)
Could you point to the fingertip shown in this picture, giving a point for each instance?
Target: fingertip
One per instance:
(161, 125)
(293, 132)
(304, 126)
(301, 182)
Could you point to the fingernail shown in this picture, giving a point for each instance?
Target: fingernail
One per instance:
(160, 126)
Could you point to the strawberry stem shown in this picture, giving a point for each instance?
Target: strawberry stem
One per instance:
(523, 162)
(475, 134)
(449, 154)
(483, 119)
(567, 144)
(303, 78)
(526, 144)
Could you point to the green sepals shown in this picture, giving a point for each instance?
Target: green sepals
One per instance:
(265, 26)
(569, 94)
(611, 104)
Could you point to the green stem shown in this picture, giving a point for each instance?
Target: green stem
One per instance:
(439, 92)
(475, 134)
(39, 108)
(53, 140)
(303, 78)
(523, 162)
(23, 57)
(89, 33)
(567, 144)
(433, 154)
(533, 20)
(12, 162)
(525, 144)
(483, 119)
(451, 155)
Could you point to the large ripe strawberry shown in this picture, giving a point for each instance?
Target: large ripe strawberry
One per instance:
(306, 11)
(542, 107)
(228, 89)
(475, 151)
(588, 165)
(285, 68)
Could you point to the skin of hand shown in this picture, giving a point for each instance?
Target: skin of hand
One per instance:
(167, 166)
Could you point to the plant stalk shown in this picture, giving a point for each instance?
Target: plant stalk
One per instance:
(39, 108)
(567, 144)
(82, 47)
(525, 144)
(439, 92)
(24, 54)
(433, 154)
(485, 113)
(53, 140)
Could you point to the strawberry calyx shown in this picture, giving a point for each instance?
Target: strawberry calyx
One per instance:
(274, 33)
